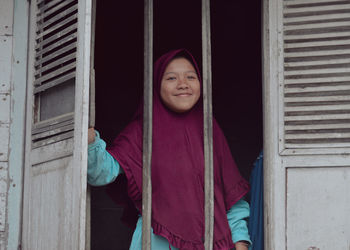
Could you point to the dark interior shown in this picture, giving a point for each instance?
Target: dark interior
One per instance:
(236, 71)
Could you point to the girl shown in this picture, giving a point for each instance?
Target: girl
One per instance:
(177, 165)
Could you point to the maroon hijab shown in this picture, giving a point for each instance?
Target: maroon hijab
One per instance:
(178, 170)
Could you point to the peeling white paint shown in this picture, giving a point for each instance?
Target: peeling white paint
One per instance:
(4, 142)
(3, 194)
(5, 62)
(6, 17)
(5, 108)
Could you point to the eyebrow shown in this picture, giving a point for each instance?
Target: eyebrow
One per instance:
(190, 71)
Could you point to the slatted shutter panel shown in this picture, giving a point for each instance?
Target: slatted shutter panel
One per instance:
(306, 124)
(54, 200)
(55, 70)
(316, 46)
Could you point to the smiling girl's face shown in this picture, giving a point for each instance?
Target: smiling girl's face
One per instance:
(180, 86)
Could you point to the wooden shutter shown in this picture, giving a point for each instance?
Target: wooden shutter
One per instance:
(307, 123)
(54, 70)
(316, 47)
(57, 120)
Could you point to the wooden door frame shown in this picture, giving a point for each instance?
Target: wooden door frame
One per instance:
(274, 174)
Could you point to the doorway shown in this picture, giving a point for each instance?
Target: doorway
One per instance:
(237, 86)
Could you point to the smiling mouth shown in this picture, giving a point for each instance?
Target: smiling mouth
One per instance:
(183, 94)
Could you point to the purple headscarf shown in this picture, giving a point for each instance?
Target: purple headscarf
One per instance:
(178, 170)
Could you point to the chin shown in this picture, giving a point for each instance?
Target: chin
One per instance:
(182, 110)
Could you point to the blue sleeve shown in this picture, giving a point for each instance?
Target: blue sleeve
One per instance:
(237, 216)
(102, 167)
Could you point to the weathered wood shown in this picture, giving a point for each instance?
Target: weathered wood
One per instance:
(299, 2)
(58, 43)
(335, 149)
(52, 152)
(5, 100)
(19, 53)
(55, 54)
(316, 89)
(91, 119)
(328, 17)
(316, 25)
(53, 64)
(318, 80)
(52, 30)
(43, 25)
(345, 97)
(58, 26)
(307, 9)
(49, 133)
(322, 62)
(52, 139)
(326, 137)
(43, 7)
(52, 127)
(315, 147)
(6, 18)
(330, 117)
(317, 126)
(62, 161)
(54, 74)
(81, 115)
(53, 121)
(56, 36)
(309, 199)
(318, 53)
(55, 82)
(307, 73)
(5, 65)
(4, 139)
(306, 119)
(92, 109)
(274, 188)
(60, 14)
(147, 126)
(208, 128)
(313, 44)
(326, 36)
(3, 194)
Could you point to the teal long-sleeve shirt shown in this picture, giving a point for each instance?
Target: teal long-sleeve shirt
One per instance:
(104, 169)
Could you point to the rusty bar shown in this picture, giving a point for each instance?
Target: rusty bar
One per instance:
(208, 128)
(147, 125)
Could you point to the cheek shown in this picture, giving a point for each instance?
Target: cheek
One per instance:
(162, 91)
(165, 92)
(197, 90)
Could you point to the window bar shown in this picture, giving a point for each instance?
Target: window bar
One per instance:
(147, 125)
(208, 128)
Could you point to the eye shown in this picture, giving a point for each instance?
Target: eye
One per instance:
(171, 78)
(191, 77)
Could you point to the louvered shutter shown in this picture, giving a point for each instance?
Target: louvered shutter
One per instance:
(316, 46)
(307, 123)
(54, 71)
(57, 120)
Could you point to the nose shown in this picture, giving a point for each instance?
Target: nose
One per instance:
(182, 83)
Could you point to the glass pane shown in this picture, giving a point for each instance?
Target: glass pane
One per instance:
(57, 101)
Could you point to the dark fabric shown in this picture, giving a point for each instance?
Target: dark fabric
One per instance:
(256, 219)
(178, 170)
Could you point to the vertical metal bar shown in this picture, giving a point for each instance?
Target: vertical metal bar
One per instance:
(208, 127)
(147, 126)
